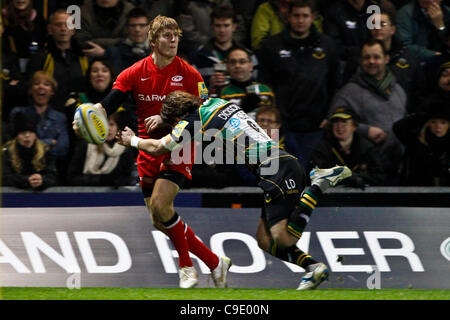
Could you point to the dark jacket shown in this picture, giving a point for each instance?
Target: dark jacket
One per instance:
(303, 73)
(363, 160)
(19, 179)
(68, 70)
(24, 43)
(120, 176)
(347, 26)
(427, 158)
(125, 53)
(52, 126)
(209, 55)
(104, 26)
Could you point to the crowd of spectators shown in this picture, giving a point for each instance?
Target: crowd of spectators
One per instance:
(335, 82)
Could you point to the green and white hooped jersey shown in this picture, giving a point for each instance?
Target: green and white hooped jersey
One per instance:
(218, 118)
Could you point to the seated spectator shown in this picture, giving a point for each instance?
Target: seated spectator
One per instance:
(135, 46)
(25, 30)
(441, 87)
(268, 118)
(209, 59)
(107, 164)
(99, 81)
(423, 26)
(102, 25)
(62, 59)
(426, 137)
(378, 101)
(403, 64)
(52, 125)
(343, 145)
(27, 162)
(243, 90)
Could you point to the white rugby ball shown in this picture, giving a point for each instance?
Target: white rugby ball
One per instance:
(92, 124)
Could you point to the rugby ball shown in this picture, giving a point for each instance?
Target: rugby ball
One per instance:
(92, 124)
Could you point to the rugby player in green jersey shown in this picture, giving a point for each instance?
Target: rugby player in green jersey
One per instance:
(288, 202)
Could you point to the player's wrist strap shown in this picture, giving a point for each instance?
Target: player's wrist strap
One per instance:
(135, 141)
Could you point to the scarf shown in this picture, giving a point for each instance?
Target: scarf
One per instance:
(102, 159)
(383, 86)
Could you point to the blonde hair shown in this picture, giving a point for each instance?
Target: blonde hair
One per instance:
(42, 74)
(38, 160)
(159, 24)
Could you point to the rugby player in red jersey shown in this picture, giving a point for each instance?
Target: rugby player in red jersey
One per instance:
(150, 80)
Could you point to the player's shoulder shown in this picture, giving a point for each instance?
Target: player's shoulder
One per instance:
(138, 66)
(186, 66)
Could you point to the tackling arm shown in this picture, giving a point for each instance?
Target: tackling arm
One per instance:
(154, 147)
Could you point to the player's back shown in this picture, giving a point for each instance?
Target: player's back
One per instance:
(241, 134)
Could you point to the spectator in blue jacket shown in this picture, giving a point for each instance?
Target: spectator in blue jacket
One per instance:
(52, 126)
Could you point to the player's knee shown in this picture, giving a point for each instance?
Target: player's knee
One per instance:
(263, 242)
(282, 238)
(156, 207)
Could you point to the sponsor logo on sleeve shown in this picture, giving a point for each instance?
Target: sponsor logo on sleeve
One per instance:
(202, 90)
(178, 129)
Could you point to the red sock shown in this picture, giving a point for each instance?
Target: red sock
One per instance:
(197, 247)
(176, 234)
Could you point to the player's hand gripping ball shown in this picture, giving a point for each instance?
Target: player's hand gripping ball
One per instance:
(92, 123)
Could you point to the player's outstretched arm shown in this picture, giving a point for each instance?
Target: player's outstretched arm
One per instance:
(154, 147)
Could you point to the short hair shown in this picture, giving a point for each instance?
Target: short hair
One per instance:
(55, 13)
(247, 51)
(269, 109)
(390, 13)
(302, 4)
(42, 74)
(136, 13)
(371, 43)
(159, 24)
(177, 104)
(223, 12)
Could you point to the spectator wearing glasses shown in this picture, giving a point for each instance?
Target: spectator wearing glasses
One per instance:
(243, 89)
(135, 46)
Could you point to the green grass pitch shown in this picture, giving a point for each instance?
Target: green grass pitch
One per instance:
(29, 293)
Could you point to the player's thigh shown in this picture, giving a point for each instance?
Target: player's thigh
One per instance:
(163, 195)
(263, 236)
(280, 234)
(155, 220)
